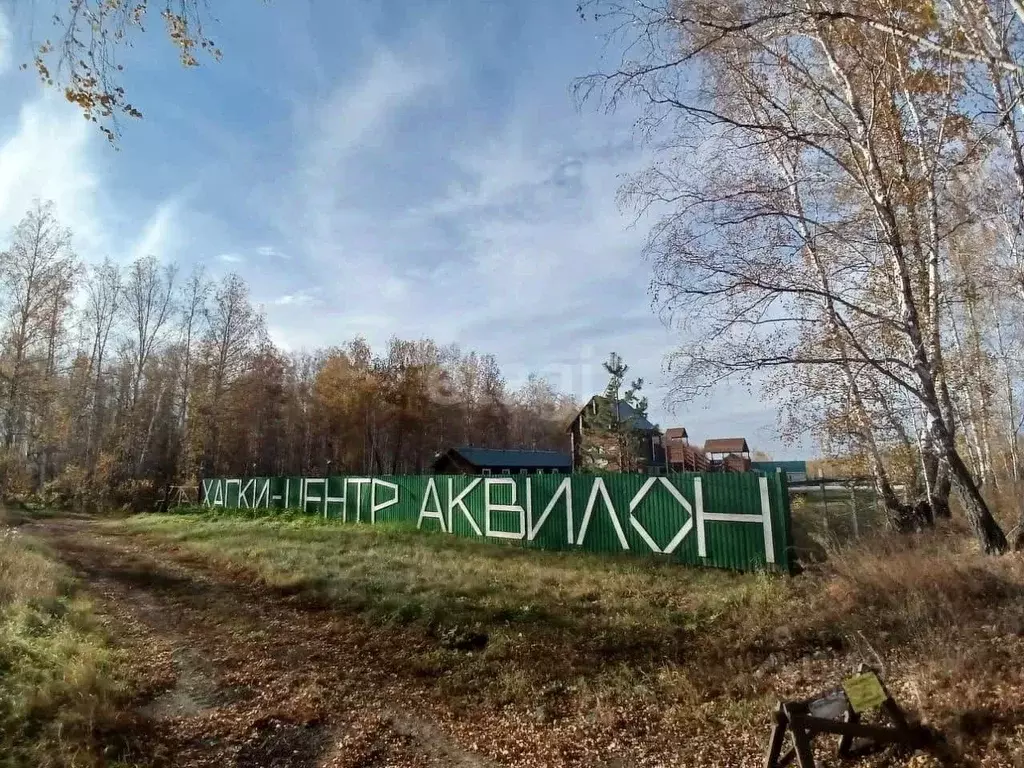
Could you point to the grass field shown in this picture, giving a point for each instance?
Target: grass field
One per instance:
(60, 684)
(611, 620)
(655, 661)
(556, 633)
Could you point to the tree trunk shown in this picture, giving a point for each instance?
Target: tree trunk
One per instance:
(985, 528)
(1017, 534)
(936, 478)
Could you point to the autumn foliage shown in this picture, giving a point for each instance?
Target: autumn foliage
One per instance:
(117, 381)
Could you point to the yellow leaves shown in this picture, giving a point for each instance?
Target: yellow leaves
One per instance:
(89, 35)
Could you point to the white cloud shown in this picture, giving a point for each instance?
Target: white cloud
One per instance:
(6, 43)
(545, 271)
(268, 251)
(160, 234)
(298, 299)
(231, 258)
(356, 119)
(50, 155)
(526, 255)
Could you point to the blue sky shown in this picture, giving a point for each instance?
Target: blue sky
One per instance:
(376, 168)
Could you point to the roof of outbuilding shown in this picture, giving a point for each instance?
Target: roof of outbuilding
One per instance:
(726, 445)
(514, 458)
(676, 433)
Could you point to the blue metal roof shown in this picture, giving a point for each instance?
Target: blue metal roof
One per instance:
(628, 415)
(515, 458)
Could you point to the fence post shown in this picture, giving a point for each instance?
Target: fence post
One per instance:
(782, 492)
(853, 510)
(824, 496)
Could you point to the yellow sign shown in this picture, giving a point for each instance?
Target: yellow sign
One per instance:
(864, 691)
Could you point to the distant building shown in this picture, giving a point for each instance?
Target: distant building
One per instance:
(728, 454)
(795, 471)
(469, 460)
(595, 449)
(680, 456)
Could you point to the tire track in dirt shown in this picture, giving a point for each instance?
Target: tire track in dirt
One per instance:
(234, 675)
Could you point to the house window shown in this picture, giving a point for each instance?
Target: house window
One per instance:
(485, 471)
(523, 471)
(506, 472)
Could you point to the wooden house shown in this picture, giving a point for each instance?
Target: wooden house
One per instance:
(594, 449)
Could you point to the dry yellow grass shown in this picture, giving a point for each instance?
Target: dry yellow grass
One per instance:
(58, 677)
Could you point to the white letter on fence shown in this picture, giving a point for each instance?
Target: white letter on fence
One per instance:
(374, 506)
(358, 482)
(684, 531)
(207, 485)
(218, 495)
(637, 525)
(328, 499)
(764, 519)
(533, 529)
(595, 489)
(698, 497)
(434, 513)
(263, 495)
(306, 498)
(243, 494)
(490, 507)
(227, 490)
(457, 501)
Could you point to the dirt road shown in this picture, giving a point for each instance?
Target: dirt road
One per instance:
(235, 676)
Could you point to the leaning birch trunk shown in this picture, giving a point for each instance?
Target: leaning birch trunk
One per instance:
(986, 529)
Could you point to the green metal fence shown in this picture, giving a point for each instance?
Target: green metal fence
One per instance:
(730, 520)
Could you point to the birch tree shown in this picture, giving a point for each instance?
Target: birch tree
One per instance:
(103, 290)
(81, 53)
(827, 154)
(36, 275)
(192, 308)
(147, 310)
(234, 332)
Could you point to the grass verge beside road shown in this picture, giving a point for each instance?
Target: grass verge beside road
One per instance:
(619, 640)
(60, 685)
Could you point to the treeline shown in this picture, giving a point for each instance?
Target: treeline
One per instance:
(116, 380)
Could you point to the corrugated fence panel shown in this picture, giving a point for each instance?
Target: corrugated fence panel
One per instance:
(729, 543)
(725, 520)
